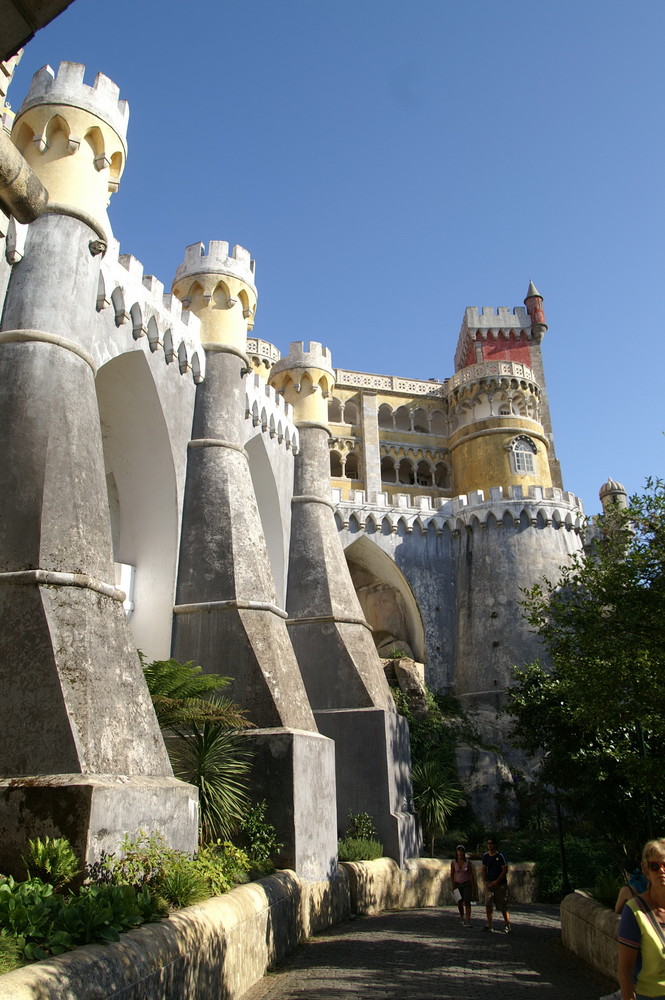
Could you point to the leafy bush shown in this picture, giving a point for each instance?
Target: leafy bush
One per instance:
(52, 860)
(223, 865)
(43, 922)
(359, 849)
(585, 859)
(259, 838)
(142, 862)
(360, 826)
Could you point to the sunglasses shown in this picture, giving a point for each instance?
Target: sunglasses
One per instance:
(656, 866)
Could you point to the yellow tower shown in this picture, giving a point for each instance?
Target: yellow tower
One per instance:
(74, 138)
(219, 288)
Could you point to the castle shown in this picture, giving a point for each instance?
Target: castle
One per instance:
(173, 484)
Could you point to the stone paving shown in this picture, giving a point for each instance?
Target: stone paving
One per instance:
(426, 954)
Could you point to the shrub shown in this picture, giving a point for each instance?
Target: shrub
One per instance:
(44, 923)
(52, 860)
(182, 884)
(259, 838)
(359, 849)
(223, 865)
(360, 826)
(142, 862)
(585, 859)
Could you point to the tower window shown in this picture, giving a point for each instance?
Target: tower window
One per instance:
(523, 452)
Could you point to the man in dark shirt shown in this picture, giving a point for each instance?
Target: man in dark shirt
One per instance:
(494, 876)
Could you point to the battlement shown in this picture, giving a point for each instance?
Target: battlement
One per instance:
(541, 506)
(218, 260)
(136, 303)
(490, 324)
(67, 87)
(267, 409)
(305, 354)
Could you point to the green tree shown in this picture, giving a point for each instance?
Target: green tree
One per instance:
(596, 711)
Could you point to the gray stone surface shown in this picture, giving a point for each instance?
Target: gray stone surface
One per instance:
(428, 954)
(373, 764)
(295, 772)
(226, 602)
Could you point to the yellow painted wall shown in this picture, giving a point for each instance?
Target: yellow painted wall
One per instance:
(481, 460)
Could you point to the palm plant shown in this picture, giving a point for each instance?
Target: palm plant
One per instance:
(435, 796)
(203, 732)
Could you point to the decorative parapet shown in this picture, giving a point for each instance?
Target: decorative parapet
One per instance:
(489, 370)
(542, 506)
(436, 390)
(138, 305)
(263, 350)
(490, 324)
(266, 408)
(388, 383)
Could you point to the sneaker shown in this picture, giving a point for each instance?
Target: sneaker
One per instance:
(612, 996)
(487, 928)
(467, 923)
(507, 929)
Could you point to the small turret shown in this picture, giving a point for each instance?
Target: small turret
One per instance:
(74, 138)
(306, 378)
(534, 307)
(611, 494)
(219, 288)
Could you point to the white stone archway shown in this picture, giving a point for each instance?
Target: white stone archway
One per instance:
(142, 495)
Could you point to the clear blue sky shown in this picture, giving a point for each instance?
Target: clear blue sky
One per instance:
(390, 163)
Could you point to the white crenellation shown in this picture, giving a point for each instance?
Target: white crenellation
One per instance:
(263, 350)
(67, 88)
(542, 507)
(305, 354)
(265, 408)
(142, 310)
(218, 260)
(490, 324)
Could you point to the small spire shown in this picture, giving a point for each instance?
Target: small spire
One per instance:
(533, 291)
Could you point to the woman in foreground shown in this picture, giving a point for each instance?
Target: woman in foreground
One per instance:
(642, 932)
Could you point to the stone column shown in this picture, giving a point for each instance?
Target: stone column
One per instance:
(82, 755)
(371, 447)
(341, 668)
(226, 614)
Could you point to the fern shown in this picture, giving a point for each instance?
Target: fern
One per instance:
(182, 694)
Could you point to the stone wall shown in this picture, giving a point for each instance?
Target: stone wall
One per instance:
(590, 931)
(224, 945)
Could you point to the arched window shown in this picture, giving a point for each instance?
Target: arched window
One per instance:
(420, 421)
(388, 474)
(351, 466)
(424, 474)
(438, 423)
(523, 450)
(402, 418)
(334, 411)
(351, 413)
(405, 473)
(386, 416)
(335, 465)
(442, 476)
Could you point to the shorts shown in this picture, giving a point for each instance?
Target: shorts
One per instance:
(497, 895)
(465, 890)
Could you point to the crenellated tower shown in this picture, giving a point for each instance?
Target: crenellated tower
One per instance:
(500, 428)
(94, 744)
(227, 615)
(341, 668)
(74, 138)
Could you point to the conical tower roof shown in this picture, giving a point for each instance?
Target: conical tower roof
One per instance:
(532, 291)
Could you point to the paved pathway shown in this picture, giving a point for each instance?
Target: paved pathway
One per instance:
(426, 954)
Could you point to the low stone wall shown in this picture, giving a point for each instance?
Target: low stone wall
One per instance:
(223, 946)
(381, 885)
(590, 931)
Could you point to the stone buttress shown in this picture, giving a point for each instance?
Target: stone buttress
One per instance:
(226, 614)
(342, 671)
(82, 755)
